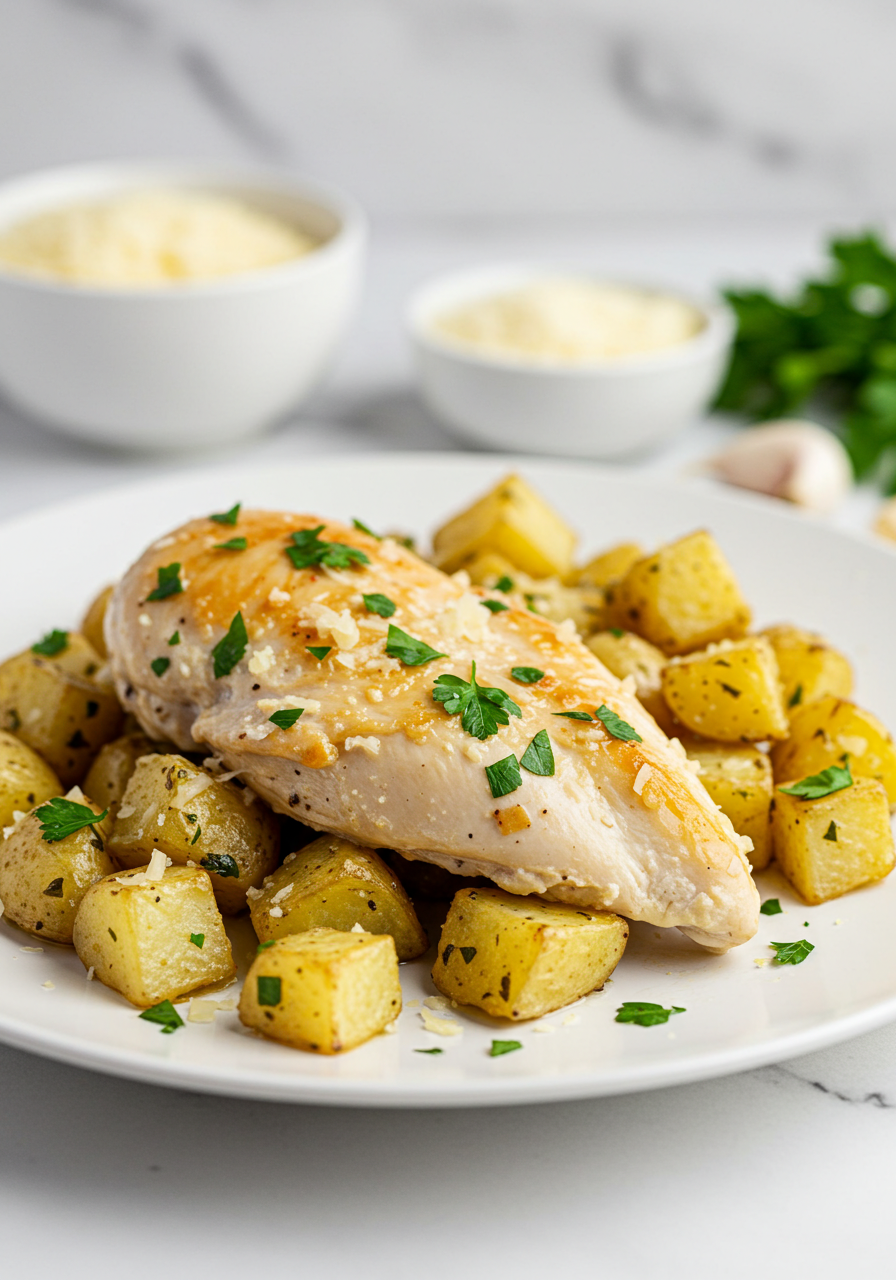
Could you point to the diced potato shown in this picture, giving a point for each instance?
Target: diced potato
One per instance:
(92, 626)
(729, 692)
(42, 883)
(611, 565)
(488, 569)
(831, 731)
(827, 847)
(625, 654)
(520, 957)
(681, 598)
(739, 781)
(335, 884)
(108, 776)
(809, 667)
(153, 939)
(512, 521)
(25, 780)
(54, 707)
(173, 805)
(323, 990)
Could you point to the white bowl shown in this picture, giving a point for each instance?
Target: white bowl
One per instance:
(593, 410)
(183, 365)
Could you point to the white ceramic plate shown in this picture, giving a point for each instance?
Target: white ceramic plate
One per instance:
(739, 1014)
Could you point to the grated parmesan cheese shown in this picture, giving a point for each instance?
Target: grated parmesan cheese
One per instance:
(641, 778)
(440, 1026)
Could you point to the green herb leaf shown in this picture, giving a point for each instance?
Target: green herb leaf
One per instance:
(407, 649)
(287, 718)
(504, 776)
(319, 651)
(263, 946)
(197, 939)
(379, 604)
(268, 990)
(819, 785)
(53, 642)
(55, 888)
(539, 756)
(230, 648)
(468, 954)
(796, 697)
(504, 584)
(500, 1047)
(574, 715)
(362, 528)
(617, 632)
(495, 606)
(169, 583)
(221, 864)
(227, 517)
(60, 818)
(175, 639)
(165, 1014)
(526, 675)
(308, 549)
(831, 833)
(616, 726)
(481, 709)
(791, 952)
(160, 665)
(431, 1052)
(232, 544)
(644, 1014)
(771, 907)
(196, 834)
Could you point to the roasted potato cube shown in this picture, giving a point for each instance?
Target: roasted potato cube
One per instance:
(512, 521)
(681, 598)
(323, 990)
(625, 654)
(520, 957)
(108, 776)
(94, 618)
(153, 936)
(173, 805)
(42, 883)
(831, 731)
(489, 569)
(809, 667)
(335, 884)
(729, 692)
(827, 847)
(739, 781)
(25, 779)
(611, 565)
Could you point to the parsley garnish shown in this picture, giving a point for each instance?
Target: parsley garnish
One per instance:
(286, 719)
(791, 952)
(319, 651)
(431, 1052)
(796, 697)
(197, 939)
(232, 544)
(268, 990)
(175, 639)
(60, 818)
(196, 835)
(504, 776)
(408, 649)
(308, 550)
(53, 642)
(617, 632)
(500, 1047)
(819, 785)
(227, 517)
(379, 604)
(169, 583)
(230, 648)
(160, 665)
(538, 756)
(495, 606)
(263, 946)
(526, 675)
(616, 726)
(504, 584)
(362, 528)
(220, 863)
(771, 907)
(165, 1014)
(481, 709)
(831, 833)
(645, 1014)
(574, 715)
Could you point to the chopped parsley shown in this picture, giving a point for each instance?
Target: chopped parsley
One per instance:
(379, 604)
(796, 697)
(481, 709)
(819, 785)
(169, 583)
(175, 639)
(495, 606)
(616, 726)
(500, 1047)
(287, 718)
(263, 946)
(232, 544)
(644, 1014)
(227, 517)
(221, 864)
(504, 584)
(527, 675)
(308, 549)
(60, 818)
(230, 648)
(53, 642)
(55, 888)
(160, 665)
(431, 1052)
(575, 715)
(831, 833)
(408, 649)
(617, 632)
(771, 907)
(165, 1014)
(468, 954)
(319, 651)
(268, 990)
(791, 952)
(504, 776)
(538, 756)
(362, 528)
(197, 833)
(197, 939)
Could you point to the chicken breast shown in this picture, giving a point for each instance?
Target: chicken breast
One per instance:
(622, 825)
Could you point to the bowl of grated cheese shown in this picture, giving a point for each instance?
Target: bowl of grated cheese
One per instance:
(171, 306)
(537, 360)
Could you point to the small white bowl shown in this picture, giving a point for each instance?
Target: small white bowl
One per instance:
(184, 365)
(591, 410)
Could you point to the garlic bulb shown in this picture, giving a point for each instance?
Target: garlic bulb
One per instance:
(798, 461)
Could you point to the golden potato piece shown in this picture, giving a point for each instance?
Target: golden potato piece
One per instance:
(25, 779)
(489, 569)
(94, 618)
(153, 937)
(42, 882)
(739, 781)
(520, 957)
(828, 846)
(831, 731)
(610, 565)
(323, 990)
(729, 692)
(512, 521)
(681, 598)
(173, 805)
(809, 667)
(335, 884)
(108, 776)
(625, 654)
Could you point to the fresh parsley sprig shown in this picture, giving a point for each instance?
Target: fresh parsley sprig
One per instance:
(527, 675)
(538, 757)
(169, 582)
(379, 604)
(287, 718)
(791, 952)
(232, 544)
(819, 785)
(616, 726)
(309, 549)
(60, 818)
(231, 648)
(408, 649)
(227, 517)
(504, 776)
(500, 1047)
(481, 709)
(53, 642)
(644, 1014)
(165, 1014)
(771, 907)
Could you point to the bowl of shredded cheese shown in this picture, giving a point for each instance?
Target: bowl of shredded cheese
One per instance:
(541, 360)
(171, 306)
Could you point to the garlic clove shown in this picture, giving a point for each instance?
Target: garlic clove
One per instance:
(798, 461)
